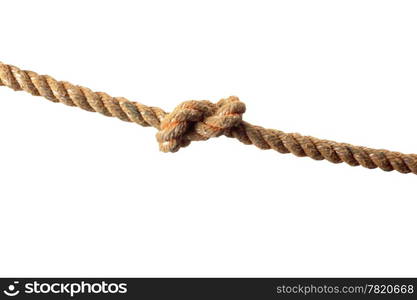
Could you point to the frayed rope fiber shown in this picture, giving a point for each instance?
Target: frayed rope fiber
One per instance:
(201, 120)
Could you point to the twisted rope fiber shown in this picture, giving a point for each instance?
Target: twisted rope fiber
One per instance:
(201, 120)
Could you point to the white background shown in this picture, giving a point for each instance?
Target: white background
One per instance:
(86, 195)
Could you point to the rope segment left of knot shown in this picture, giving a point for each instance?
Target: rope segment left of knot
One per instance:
(199, 120)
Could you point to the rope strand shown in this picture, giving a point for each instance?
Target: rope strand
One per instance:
(201, 120)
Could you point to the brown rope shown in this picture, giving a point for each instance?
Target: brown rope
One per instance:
(201, 120)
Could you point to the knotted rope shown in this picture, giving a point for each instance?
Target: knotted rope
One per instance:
(201, 120)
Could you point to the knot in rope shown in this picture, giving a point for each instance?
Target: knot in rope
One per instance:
(199, 120)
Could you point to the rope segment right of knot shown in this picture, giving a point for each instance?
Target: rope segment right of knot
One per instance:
(198, 121)
(201, 120)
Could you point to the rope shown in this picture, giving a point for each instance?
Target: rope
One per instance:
(201, 120)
